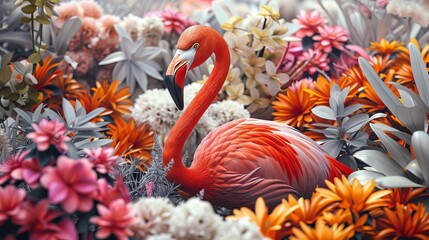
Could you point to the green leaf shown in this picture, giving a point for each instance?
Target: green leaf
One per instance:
(34, 58)
(48, 10)
(20, 85)
(5, 74)
(43, 19)
(6, 59)
(5, 92)
(38, 3)
(44, 47)
(33, 93)
(25, 19)
(29, 9)
(54, 1)
(14, 96)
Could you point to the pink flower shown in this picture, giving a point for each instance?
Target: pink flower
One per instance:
(11, 200)
(40, 223)
(71, 183)
(173, 20)
(65, 11)
(107, 194)
(102, 158)
(31, 171)
(91, 9)
(316, 60)
(310, 22)
(150, 186)
(330, 37)
(48, 133)
(103, 47)
(114, 220)
(381, 3)
(12, 168)
(297, 85)
(89, 29)
(107, 29)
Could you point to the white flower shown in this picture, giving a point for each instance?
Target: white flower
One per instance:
(242, 229)
(236, 92)
(237, 46)
(194, 219)
(131, 24)
(151, 30)
(153, 215)
(414, 10)
(258, 102)
(272, 79)
(227, 111)
(164, 236)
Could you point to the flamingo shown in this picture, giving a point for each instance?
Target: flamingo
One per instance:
(244, 159)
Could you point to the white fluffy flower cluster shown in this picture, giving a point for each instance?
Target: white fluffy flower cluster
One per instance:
(193, 220)
(156, 108)
(149, 28)
(416, 10)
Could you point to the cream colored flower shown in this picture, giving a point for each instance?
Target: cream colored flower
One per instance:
(251, 72)
(231, 24)
(262, 38)
(236, 91)
(237, 46)
(272, 79)
(270, 13)
(227, 111)
(258, 102)
(131, 24)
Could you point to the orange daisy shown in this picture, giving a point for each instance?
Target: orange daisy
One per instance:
(322, 231)
(108, 96)
(405, 195)
(269, 224)
(294, 106)
(385, 47)
(405, 221)
(131, 140)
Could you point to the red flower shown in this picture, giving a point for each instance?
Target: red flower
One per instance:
(12, 168)
(114, 220)
(11, 200)
(71, 184)
(48, 133)
(330, 37)
(102, 158)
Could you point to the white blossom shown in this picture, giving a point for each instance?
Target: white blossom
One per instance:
(227, 111)
(242, 229)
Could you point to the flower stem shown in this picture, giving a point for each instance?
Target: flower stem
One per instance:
(261, 52)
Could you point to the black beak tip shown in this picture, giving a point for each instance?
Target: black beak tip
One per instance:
(175, 90)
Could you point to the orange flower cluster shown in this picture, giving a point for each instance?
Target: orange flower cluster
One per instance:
(344, 210)
(389, 59)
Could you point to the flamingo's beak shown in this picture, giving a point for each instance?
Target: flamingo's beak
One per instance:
(176, 74)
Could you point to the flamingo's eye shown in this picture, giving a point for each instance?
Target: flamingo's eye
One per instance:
(195, 45)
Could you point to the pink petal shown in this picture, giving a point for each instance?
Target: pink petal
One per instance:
(85, 185)
(103, 233)
(85, 204)
(69, 229)
(71, 203)
(16, 173)
(57, 192)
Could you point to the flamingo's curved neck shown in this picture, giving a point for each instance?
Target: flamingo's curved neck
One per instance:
(191, 180)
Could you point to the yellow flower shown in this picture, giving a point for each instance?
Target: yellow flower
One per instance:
(269, 12)
(384, 47)
(322, 231)
(269, 224)
(353, 196)
(231, 24)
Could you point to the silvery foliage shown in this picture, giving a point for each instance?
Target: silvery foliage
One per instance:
(367, 22)
(346, 135)
(398, 168)
(138, 181)
(78, 122)
(135, 62)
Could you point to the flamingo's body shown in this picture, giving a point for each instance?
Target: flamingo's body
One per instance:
(243, 159)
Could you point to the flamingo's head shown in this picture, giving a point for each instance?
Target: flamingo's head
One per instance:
(194, 47)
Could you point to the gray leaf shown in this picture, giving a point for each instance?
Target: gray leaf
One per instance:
(65, 34)
(349, 110)
(385, 94)
(333, 147)
(69, 112)
(24, 115)
(324, 112)
(379, 161)
(420, 73)
(360, 139)
(355, 123)
(363, 176)
(420, 144)
(395, 182)
(414, 168)
(113, 58)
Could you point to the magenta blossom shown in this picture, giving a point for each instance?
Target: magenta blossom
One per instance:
(11, 199)
(12, 168)
(173, 20)
(102, 159)
(71, 183)
(114, 220)
(316, 60)
(310, 22)
(330, 37)
(40, 223)
(48, 133)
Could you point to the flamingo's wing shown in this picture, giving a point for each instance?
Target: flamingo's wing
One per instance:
(233, 190)
(280, 152)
